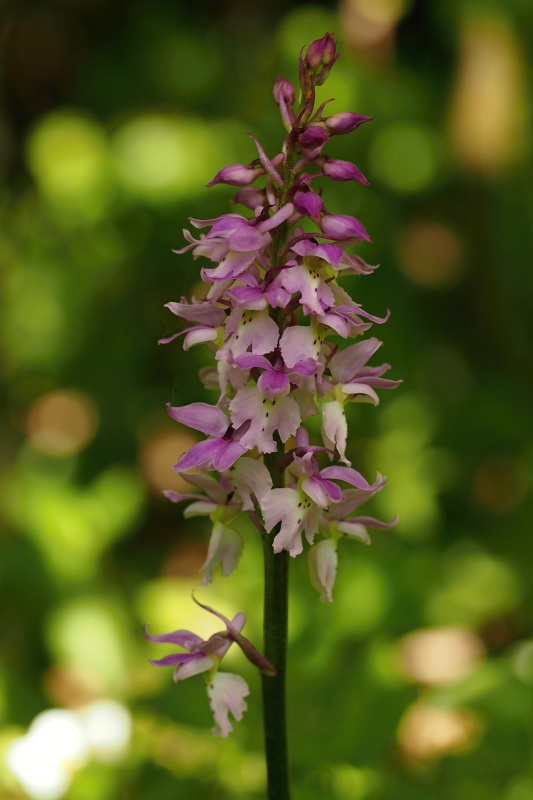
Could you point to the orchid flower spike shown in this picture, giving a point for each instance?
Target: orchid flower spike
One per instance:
(279, 326)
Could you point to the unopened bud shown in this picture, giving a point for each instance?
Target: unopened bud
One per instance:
(236, 175)
(340, 226)
(339, 170)
(312, 137)
(308, 203)
(345, 122)
(286, 89)
(320, 57)
(321, 52)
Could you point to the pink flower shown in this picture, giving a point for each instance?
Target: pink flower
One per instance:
(226, 692)
(300, 508)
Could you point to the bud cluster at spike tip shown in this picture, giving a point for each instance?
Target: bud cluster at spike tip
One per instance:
(269, 325)
(272, 307)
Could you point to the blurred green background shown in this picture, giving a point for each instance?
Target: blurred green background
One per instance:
(417, 682)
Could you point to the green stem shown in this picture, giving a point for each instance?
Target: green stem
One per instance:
(275, 649)
(276, 597)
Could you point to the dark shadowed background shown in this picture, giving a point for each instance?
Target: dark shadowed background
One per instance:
(416, 683)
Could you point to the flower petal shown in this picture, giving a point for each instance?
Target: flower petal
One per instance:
(249, 476)
(323, 567)
(348, 475)
(201, 416)
(200, 454)
(266, 416)
(226, 693)
(335, 427)
(345, 364)
(182, 638)
(190, 668)
(225, 548)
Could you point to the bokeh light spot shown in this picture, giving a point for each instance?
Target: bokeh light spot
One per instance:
(439, 656)
(368, 25)
(430, 254)
(426, 733)
(405, 156)
(90, 633)
(161, 158)
(488, 102)
(68, 157)
(107, 726)
(46, 757)
(61, 423)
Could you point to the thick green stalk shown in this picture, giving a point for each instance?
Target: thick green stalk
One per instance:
(275, 649)
(276, 596)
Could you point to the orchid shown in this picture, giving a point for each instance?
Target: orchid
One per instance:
(226, 692)
(272, 317)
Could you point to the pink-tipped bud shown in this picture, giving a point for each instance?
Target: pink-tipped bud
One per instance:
(308, 203)
(312, 137)
(284, 88)
(346, 122)
(236, 175)
(321, 52)
(339, 226)
(339, 170)
(320, 57)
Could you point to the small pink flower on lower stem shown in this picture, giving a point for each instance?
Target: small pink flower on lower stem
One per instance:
(226, 692)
